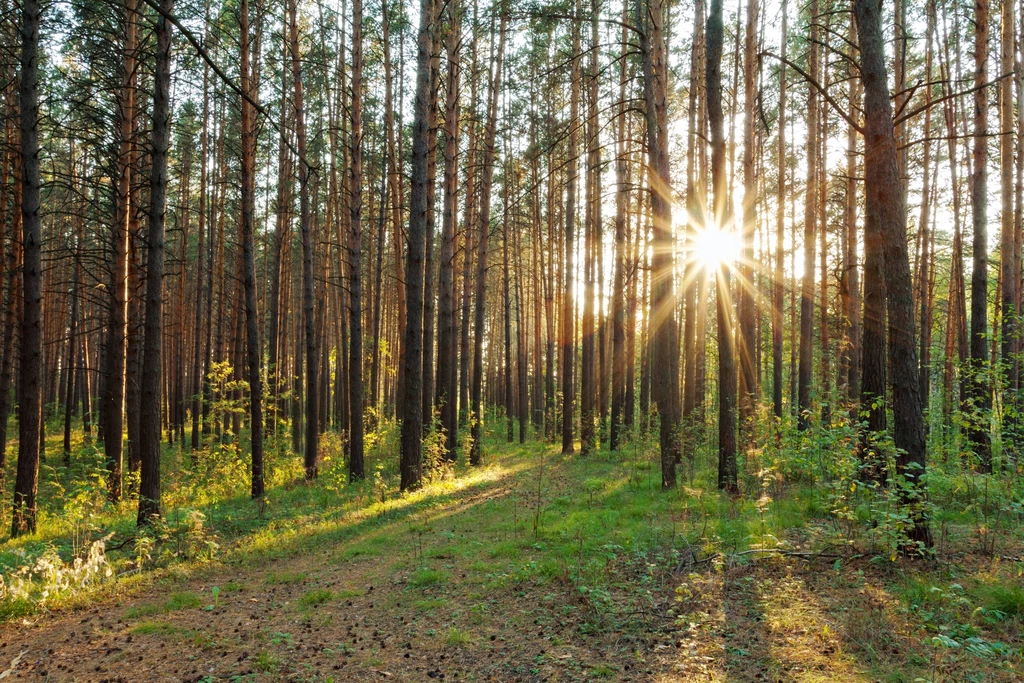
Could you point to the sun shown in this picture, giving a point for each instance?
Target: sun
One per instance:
(715, 247)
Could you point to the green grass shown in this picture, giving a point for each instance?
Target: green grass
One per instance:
(1008, 599)
(316, 598)
(284, 578)
(156, 628)
(422, 578)
(596, 528)
(177, 601)
(266, 662)
(457, 638)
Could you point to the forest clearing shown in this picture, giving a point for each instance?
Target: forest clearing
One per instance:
(512, 340)
(535, 566)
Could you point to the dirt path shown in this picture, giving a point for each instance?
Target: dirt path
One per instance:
(410, 612)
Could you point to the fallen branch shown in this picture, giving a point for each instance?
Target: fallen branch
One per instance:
(759, 551)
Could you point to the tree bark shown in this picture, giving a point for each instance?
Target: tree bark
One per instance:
(312, 361)
(412, 360)
(979, 393)
(31, 339)
(355, 253)
(778, 289)
(810, 218)
(665, 383)
(885, 213)
(568, 335)
(149, 413)
(248, 201)
(483, 231)
(727, 469)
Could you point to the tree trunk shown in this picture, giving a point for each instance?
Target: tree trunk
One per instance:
(355, 254)
(484, 228)
(248, 200)
(665, 382)
(197, 350)
(1010, 277)
(619, 275)
(885, 213)
(810, 217)
(312, 361)
(149, 413)
(979, 393)
(778, 290)
(568, 336)
(588, 360)
(31, 340)
(727, 471)
(747, 303)
(447, 388)
(412, 354)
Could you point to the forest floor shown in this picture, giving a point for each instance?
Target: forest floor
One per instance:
(534, 567)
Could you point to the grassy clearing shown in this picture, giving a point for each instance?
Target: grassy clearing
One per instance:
(565, 551)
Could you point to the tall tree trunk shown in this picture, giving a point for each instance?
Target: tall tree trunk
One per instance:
(810, 218)
(885, 214)
(979, 390)
(114, 386)
(197, 350)
(447, 389)
(248, 200)
(276, 358)
(149, 413)
(469, 225)
(395, 192)
(850, 277)
(412, 360)
(662, 305)
(429, 313)
(355, 254)
(568, 335)
(1010, 276)
(312, 361)
(588, 360)
(778, 290)
(924, 272)
(30, 407)
(747, 303)
(9, 247)
(727, 471)
(484, 228)
(507, 312)
(619, 275)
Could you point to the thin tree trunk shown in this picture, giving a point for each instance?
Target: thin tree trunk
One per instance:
(727, 470)
(619, 276)
(447, 387)
(312, 361)
(810, 218)
(568, 340)
(1010, 276)
(248, 201)
(979, 390)
(484, 228)
(747, 304)
(355, 255)
(778, 290)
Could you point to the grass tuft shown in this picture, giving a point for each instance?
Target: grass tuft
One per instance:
(317, 597)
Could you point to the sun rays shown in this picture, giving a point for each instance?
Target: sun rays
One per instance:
(715, 248)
